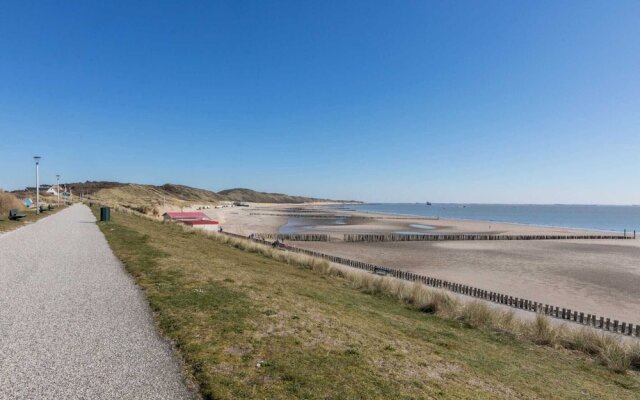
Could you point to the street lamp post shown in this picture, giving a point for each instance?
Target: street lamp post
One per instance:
(58, 188)
(37, 158)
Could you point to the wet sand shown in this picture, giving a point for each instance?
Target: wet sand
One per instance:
(595, 276)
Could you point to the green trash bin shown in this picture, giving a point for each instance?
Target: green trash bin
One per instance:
(105, 214)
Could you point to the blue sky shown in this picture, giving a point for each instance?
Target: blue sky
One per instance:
(525, 102)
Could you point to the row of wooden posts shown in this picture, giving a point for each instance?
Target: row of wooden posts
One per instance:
(323, 237)
(296, 237)
(579, 317)
(427, 237)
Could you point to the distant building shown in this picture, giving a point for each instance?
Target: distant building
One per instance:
(55, 190)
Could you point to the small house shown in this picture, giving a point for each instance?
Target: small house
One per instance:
(56, 189)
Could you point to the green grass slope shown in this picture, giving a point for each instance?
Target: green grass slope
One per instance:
(249, 326)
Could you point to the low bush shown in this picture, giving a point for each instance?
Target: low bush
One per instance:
(9, 201)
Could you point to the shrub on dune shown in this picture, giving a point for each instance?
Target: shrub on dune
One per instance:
(9, 201)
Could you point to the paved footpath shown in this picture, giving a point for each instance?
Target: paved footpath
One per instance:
(73, 325)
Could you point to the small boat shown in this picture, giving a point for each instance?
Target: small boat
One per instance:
(428, 203)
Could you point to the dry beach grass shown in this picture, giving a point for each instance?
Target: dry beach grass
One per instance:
(9, 201)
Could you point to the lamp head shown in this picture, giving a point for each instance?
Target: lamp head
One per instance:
(37, 158)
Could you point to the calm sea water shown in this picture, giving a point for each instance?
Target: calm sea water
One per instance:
(606, 218)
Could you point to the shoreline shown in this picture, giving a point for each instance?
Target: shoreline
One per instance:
(265, 220)
(495, 221)
(543, 226)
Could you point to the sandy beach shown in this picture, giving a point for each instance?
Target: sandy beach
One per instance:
(595, 276)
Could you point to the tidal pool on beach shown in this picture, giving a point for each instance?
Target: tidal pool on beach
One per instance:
(420, 226)
(297, 224)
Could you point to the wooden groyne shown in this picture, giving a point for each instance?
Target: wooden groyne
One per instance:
(566, 314)
(296, 237)
(428, 237)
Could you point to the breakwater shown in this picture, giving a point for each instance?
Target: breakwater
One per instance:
(428, 237)
(297, 237)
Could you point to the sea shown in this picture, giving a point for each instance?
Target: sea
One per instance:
(593, 217)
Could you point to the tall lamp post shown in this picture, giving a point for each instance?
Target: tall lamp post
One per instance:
(37, 158)
(58, 189)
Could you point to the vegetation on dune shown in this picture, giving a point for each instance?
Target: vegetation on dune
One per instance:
(9, 201)
(249, 195)
(150, 199)
(254, 322)
(173, 192)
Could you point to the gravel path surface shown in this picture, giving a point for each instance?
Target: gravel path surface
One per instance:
(73, 325)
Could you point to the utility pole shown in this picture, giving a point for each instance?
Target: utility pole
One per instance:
(37, 158)
(58, 189)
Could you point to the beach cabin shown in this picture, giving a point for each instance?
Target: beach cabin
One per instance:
(198, 220)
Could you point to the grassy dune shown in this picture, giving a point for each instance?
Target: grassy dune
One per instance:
(147, 198)
(249, 326)
(249, 195)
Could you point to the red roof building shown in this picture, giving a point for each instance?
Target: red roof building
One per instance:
(196, 223)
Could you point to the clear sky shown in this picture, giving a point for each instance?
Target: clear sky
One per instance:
(480, 101)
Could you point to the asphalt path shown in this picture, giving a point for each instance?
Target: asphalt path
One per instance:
(73, 325)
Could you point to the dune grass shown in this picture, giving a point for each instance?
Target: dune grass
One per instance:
(9, 201)
(253, 322)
